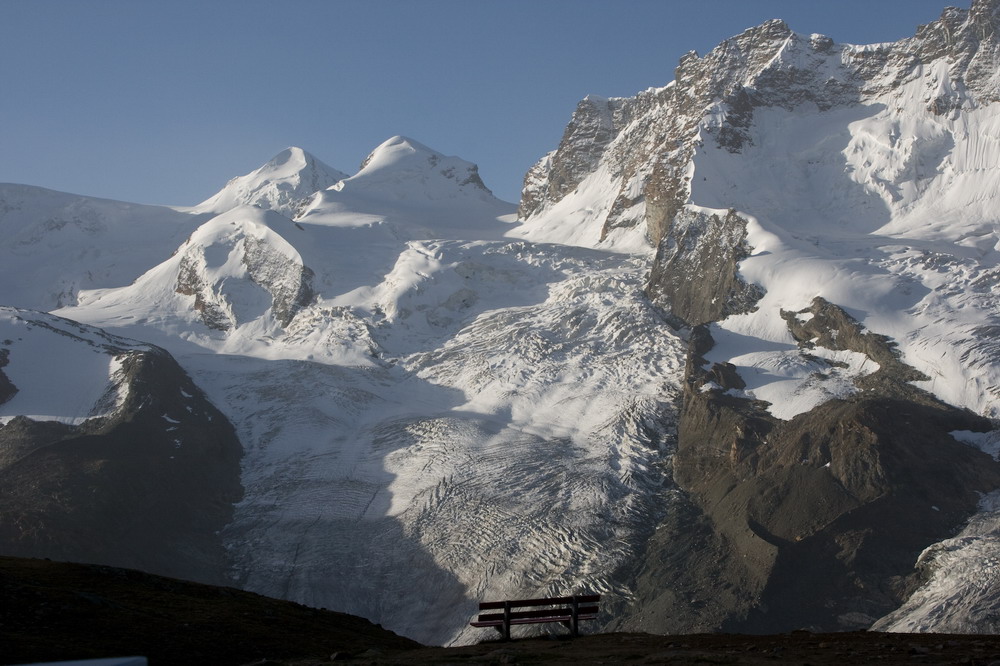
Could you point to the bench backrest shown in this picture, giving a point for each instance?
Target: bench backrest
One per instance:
(551, 601)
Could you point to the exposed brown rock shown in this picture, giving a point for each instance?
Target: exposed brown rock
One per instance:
(816, 521)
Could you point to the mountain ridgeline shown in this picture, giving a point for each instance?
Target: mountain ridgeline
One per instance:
(732, 361)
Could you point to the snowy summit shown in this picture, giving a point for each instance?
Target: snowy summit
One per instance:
(285, 184)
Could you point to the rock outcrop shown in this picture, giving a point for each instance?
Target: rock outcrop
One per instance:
(695, 276)
(7, 388)
(236, 267)
(835, 504)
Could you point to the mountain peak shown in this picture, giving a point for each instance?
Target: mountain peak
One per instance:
(985, 7)
(293, 156)
(399, 163)
(396, 149)
(284, 184)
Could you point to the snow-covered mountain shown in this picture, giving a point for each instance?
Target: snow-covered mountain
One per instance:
(733, 362)
(54, 244)
(429, 410)
(825, 217)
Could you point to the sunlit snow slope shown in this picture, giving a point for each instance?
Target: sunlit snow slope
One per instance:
(286, 184)
(53, 244)
(887, 211)
(52, 369)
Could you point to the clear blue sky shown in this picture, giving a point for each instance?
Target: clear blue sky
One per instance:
(163, 102)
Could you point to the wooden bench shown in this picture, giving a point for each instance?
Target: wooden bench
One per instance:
(565, 610)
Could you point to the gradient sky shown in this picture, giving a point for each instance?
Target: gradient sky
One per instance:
(163, 102)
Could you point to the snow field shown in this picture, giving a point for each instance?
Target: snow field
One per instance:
(62, 371)
(578, 218)
(885, 210)
(86, 243)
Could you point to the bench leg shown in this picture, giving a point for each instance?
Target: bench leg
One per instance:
(575, 618)
(506, 620)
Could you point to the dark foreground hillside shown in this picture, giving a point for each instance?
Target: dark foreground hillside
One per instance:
(56, 611)
(53, 611)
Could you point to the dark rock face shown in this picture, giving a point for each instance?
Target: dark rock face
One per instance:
(970, 42)
(593, 126)
(816, 521)
(695, 274)
(290, 285)
(190, 283)
(7, 388)
(829, 326)
(148, 487)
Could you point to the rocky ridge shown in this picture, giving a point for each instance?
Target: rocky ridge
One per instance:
(645, 144)
(836, 503)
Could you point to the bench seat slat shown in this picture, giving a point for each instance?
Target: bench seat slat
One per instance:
(499, 623)
(565, 619)
(544, 613)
